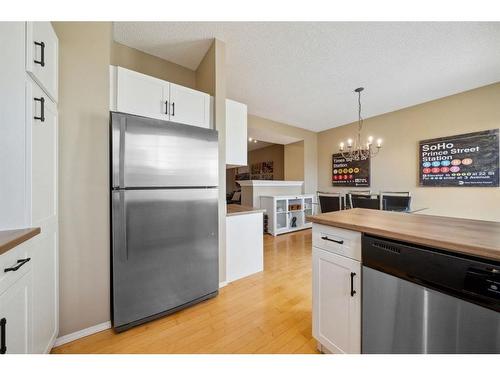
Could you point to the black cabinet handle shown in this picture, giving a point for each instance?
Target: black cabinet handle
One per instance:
(173, 109)
(42, 54)
(331, 239)
(42, 109)
(166, 107)
(20, 263)
(353, 292)
(3, 344)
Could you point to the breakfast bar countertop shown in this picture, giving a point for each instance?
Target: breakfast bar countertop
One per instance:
(471, 237)
(11, 238)
(237, 209)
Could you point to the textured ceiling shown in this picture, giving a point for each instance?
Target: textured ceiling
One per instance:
(304, 73)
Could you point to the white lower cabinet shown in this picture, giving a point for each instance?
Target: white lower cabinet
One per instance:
(336, 301)
(16, 315)
(45, 292)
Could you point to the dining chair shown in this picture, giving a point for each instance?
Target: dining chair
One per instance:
(358, 201)
(330, 202)
(396, 200)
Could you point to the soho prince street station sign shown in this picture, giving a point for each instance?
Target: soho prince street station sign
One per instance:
(461, 160)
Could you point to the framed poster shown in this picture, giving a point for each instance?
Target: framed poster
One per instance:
(469, 160)
(350, 173)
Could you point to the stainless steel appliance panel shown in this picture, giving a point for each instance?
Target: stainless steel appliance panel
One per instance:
(155, 153)
(165, 250)
(403, 317)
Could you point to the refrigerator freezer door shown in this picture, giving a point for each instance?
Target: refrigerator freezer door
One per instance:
(155, 153)
(164, 250)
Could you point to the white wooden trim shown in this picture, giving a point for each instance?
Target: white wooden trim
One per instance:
(84, 332)
(269, 183)
(222, 284)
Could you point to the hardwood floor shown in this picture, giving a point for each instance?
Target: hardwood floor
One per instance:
(269, 312)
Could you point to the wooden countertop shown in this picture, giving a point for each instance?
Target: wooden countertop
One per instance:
(471, 237)
(11, 238)
(237, 209)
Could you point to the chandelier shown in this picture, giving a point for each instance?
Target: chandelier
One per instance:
(357, 150)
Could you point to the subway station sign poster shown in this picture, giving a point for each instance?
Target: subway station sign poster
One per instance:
(461, 160)
(351, 173)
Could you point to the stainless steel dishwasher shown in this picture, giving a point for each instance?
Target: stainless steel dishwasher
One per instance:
(423, 300)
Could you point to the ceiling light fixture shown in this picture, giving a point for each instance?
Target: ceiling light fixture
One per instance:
(250, 139)
(356, 150)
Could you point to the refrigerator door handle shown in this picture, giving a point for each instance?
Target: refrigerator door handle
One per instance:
(120, 240)
(118, 152)
(122, 152)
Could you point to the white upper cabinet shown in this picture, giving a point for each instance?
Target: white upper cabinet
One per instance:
(188, 106)
(142, 95)
(236, 133)
(42, 56)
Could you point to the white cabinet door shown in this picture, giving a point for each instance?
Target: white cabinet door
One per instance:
(42, 56)
(42, 114)
(15, 316)
(188, 106)
(236, 133)
(142, 95)
(336, 310)
(45, 291)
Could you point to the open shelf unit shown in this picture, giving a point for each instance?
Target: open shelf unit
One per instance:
(287, 213)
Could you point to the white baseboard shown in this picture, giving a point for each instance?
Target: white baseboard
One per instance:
(222, 284)
(84, 332)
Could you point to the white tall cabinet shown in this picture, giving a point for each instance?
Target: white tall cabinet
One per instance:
(32, 325)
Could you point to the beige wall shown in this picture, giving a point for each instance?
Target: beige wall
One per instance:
(395, 168)
(141, 62)
(310, 146)
(84, 51)
(294, 161)
(211, 78)
(274, 153)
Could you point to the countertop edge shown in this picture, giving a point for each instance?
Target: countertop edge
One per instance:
(472, 250)
(9, 239)
(242, 210)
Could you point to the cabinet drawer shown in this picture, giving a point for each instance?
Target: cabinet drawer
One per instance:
(10, 259)
(336, 240)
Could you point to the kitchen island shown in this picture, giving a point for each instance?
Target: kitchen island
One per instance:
(387, 282)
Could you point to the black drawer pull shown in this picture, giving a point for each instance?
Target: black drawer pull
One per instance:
(20, 263)
(42, 109)
(166, 107)
(42, 54)
(353, 292)
(173, 109)
(3, 344)
(331, 239)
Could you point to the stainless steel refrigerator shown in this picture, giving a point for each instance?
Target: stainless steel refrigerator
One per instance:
(164, 217)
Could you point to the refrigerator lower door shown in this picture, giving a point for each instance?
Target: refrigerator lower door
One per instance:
(164, 251)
